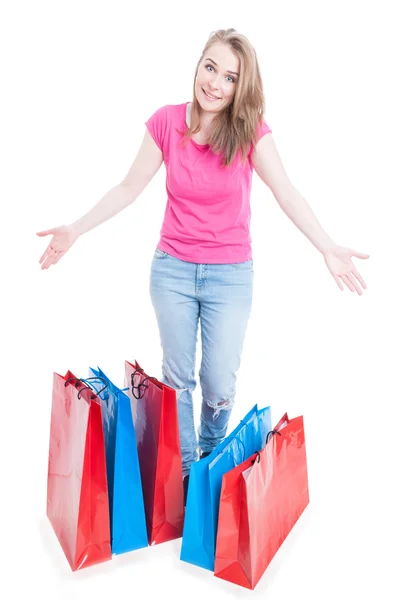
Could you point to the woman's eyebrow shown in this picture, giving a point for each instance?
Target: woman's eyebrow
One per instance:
(214, 62)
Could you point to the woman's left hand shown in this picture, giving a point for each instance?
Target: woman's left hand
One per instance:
(338, 261)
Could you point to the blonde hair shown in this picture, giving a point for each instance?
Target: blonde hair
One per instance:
(235, 127)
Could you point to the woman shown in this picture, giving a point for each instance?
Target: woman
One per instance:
(203, 264)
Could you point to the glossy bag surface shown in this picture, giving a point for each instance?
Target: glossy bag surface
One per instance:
(261, 500)
(154, 408)
(201, 516)
(126, 503)
(77, 492)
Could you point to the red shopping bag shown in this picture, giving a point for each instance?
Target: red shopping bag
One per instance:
(77, 492)
(261, 500)
(154, 408)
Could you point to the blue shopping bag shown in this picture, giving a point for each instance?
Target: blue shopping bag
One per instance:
(126, 504)
(205, 479)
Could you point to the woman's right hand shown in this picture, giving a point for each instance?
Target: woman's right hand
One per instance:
(63, 238)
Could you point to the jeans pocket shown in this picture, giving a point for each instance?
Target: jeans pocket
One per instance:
(160, 253)
(243, 266)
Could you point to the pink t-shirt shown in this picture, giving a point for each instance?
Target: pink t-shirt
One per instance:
(207, 216)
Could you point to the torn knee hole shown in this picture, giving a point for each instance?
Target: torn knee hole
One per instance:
(224, 404)
(221, 404)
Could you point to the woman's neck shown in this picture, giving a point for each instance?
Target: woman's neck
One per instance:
(206, 120)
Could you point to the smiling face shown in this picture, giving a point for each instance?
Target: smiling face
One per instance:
(218, 76)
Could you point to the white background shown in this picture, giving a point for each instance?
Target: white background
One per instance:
(79, 80)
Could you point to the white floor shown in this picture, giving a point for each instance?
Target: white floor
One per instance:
(338, 548)
(74, 122)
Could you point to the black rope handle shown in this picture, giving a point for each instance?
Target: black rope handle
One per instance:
(140, 385)
(84, 380)
(87, 387)
(270, 434)
(255, 459)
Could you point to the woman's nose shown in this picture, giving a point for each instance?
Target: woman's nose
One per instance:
(215, 84)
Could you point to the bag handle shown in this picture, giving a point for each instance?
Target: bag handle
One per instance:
(241, 443)
(269, 435)
(140, 385)
(89, 386)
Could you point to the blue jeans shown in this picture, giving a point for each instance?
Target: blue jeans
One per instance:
(221, 296)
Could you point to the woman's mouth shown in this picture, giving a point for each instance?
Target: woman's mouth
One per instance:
(209, 97)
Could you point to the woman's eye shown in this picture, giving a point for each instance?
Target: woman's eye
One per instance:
(231, 78)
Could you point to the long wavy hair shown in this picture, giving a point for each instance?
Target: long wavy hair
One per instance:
(234, 128)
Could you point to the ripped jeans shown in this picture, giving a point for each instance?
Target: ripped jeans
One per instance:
(220, 296)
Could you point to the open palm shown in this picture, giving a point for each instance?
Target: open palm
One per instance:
(63, 238)
(338, 261)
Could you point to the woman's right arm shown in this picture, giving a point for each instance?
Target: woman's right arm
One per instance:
(146, 164)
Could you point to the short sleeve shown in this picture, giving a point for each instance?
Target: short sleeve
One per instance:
(262, 130)
(157, 126)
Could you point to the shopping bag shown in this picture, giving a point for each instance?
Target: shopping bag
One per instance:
(261, 500)
(126, 503)
(77, 492)
(154, 407)
(201, 516)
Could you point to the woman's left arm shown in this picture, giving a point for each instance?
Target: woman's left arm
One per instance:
(268, 166)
